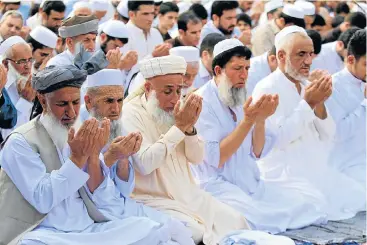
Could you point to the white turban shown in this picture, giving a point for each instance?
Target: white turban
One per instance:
(160, 66)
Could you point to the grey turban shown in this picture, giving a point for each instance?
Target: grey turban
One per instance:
(53, 78)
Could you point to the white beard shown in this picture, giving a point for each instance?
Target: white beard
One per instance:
(229, 95)
(18, 77)
(162, 118)
(292, 72)
(57, 131)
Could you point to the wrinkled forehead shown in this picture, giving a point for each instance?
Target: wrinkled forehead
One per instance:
(109, 91)
(301, 44)
(171, 80)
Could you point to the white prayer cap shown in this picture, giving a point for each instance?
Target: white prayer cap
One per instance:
(80, 5)
(190, 54)
(42, 3)
(183, 6)
(105, 77)
(226, 45)
(116, 28)
(293, 11)
(307, 7)
(44, 36)
(273, 4)
(285, 32)
(10, 42)
(99, 5)
(123, 9)
(164, 65)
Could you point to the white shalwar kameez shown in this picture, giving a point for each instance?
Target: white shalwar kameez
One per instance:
(259, 69)
(347, 106)
(270, 206)
(56, 194)
(303, 146)
(328, 59)
(64, 58)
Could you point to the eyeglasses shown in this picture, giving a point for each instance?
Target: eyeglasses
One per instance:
(22, 61)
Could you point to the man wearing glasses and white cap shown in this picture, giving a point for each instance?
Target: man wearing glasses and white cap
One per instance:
(263, 39)
(17, 58)
(43, 42)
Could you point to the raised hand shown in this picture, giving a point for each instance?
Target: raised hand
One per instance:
(3, 76)
(319, 91)
(26, 90)
(187, 116)
(267, 107)
(45, 61)
(161, 50)
(251, 111)
(122, 147)
(113, 56)
(129, 60)
(245, 37)
(101, 137)
(316, 75)
(82, 143)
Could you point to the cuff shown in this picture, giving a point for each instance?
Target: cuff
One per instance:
(100, 188)
(75, 176)
(268, 146)
(306, 109)
(174, 136)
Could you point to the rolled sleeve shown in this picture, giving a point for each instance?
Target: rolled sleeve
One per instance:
(270, 140)
(173, 137)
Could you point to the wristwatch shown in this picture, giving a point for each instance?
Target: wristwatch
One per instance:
(194, 132)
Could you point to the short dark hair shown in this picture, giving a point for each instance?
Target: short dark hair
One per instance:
(342, 7)
(223, 58)
(316, 39)
(199, 10)
(109, 38)
(245, 18)
(185, 18)
(292, 20)
(158, 3)
(337, 20)
(135, 5)
(210, 41)
(168, 7)
(357, 19)
(347, 35)
(219, 6)
(357, 44)
(318, 21)
(35, 44)
(34, 9)
(273, 51)
(57, 6)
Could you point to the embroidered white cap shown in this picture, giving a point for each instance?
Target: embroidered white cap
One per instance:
(10, 42)
(99, 5)
(44, 36)
(164, 65)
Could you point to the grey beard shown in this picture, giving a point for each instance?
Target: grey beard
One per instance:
(165, 120)
(229, 95)
(292, 73)
(115, 126)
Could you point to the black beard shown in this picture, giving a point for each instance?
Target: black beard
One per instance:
(54, 29)
(224, 31)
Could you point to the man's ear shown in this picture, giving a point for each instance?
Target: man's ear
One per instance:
(215, 18)
(6, 64)
(42, 100)
(217, 70)
(103, 37)
(351, 59)
(131, 14)
(339, 46)
(282, 55)
(88, 102)
(44, 15)
(147, 87)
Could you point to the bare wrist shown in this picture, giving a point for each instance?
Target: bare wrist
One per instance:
(108, 159)
(78, 160)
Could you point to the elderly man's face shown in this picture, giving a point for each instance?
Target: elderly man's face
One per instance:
(191, 72)
(64, 104)
(21, 59)
(40, 55)
(106, 101)
(299, 59)
(87, 40)
(11, 27)
(167, 89)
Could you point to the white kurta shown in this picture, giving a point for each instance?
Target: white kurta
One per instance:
(328, 59)
(209, 27)
(56, 194)
(202, 77)
(34, 21)
(22, 106)
(259, 69)
(64, 58)
(303, 146)
(348, 108)
(270, 206)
